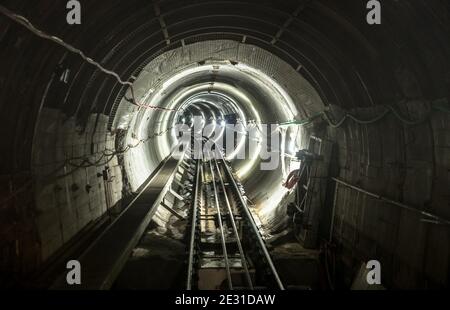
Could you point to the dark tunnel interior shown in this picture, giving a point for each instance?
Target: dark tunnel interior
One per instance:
(356, 170)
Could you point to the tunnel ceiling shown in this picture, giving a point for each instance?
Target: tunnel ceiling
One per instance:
(212, 80)
(349, 63)
(310, 56)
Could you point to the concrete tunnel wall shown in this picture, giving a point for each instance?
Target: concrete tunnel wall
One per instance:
(353, 67)
(259, 103)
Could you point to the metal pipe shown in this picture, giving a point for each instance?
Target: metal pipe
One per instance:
(236, 233)
(333, 212)
(222, 233)
(198, 177)
(393, 202)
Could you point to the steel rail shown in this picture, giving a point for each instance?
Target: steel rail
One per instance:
(198, 179)
(235, 231)
(253, 225)
(219, 218)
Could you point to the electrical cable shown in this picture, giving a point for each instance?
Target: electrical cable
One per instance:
(113, 153)
(21, 20)
(28, 25)
(85, 163)
(437, 105)
(355, 119)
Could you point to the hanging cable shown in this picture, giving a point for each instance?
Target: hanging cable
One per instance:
(388, 109)
(355, 119)
(439, 105)
(27, 24)
(85, 163)
(109, 154)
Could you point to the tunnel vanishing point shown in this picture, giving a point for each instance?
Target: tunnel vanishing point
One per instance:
(225, 145)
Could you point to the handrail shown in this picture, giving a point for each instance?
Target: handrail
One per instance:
(436, 219)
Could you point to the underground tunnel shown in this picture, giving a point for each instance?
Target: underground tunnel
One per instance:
(217, 145)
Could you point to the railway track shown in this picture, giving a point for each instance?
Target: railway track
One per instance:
(226, 250)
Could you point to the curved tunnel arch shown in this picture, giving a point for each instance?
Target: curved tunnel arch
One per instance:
(349, 65)
(254, 97)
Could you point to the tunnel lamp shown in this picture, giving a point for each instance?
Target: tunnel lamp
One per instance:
(224, 105)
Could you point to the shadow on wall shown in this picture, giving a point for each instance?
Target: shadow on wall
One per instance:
(76, 179)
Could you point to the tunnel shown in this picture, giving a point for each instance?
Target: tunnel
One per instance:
(225, 144)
